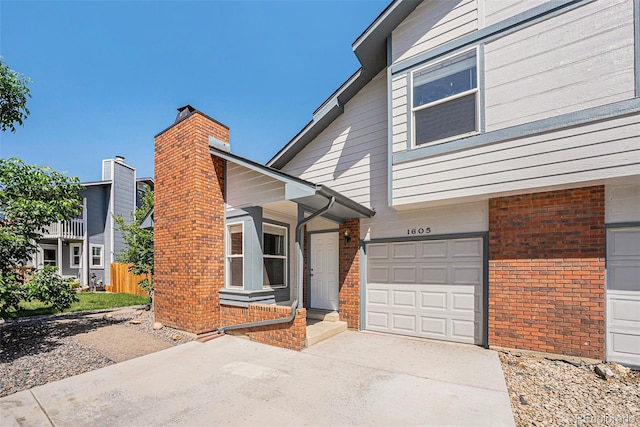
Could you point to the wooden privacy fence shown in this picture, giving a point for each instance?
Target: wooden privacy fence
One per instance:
(123, 281)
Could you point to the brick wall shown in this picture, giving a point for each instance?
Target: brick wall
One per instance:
(189, 224)
(546, 272)
(290, 335)
(349, 276)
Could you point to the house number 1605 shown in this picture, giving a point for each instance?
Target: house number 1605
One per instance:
(411, 231)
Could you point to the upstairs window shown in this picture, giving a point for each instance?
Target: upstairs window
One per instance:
(235, 255)
(274, 243)
(97, 256)
(75, 255)
(445, 99)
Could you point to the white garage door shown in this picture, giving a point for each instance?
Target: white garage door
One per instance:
(427, 288)
(623, 295)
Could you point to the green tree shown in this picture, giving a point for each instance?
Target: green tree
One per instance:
(32, 197)
(139, 243)
(13, 97)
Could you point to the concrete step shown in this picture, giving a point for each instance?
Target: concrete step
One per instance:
(325, 315)
(318, 331)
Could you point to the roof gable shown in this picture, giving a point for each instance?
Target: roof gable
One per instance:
(371, 50)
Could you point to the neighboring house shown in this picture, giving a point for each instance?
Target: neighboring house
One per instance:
(84, 247)
(497, 143)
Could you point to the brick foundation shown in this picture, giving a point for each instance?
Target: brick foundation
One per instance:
(290, 335)
(349, 276)
(546, 272)
(189, 224)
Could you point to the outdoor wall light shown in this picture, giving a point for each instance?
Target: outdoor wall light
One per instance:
(347, 236)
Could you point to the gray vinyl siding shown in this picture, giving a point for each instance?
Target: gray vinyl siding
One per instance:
(97, 203)
(400, 93)
(124, 195)
(250, 188)
(582, 154)
(579, 59)
(98, 224)
(350, 155)
(499, 10)
(358, 169)
(433, 23)
(66, 260)
(573, 61)
(283, 295)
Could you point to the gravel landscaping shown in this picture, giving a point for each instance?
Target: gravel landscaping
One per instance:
(42, 349)
(556, 393)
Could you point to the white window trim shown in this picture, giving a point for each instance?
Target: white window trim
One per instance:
(71, 246)
(228, 255)
(50, 247)
(91, 265)
(285, 256)
(476, 90)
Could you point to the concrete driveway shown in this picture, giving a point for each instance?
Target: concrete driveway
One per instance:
(352, 379)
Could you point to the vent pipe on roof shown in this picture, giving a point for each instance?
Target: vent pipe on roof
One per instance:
(119, 158)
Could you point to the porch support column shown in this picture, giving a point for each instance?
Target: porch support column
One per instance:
(59, 256)
(300, 258)
(84, 259)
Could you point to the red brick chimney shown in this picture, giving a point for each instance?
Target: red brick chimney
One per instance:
(189, 223)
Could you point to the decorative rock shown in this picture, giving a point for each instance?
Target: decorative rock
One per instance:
(157, 326)
(619, 369)
(603, 371)
(177, 337)
(135, 321)
(560, 394)
(107, 316)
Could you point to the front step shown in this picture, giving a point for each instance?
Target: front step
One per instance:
(325, 315)
(323, 330)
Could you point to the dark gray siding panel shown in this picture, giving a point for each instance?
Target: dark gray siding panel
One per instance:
(282, 295)
(124, 194)
(97, 201)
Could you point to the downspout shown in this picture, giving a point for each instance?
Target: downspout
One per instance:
(292, 315)
(223, 329)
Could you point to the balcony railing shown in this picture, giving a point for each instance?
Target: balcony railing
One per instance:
(72, 229)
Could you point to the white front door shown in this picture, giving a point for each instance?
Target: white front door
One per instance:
(623, 295)
(324, 271)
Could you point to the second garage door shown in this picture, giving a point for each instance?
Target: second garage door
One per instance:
(426, 288)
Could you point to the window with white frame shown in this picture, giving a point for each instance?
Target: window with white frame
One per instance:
(97, 256)
(50, 256)
(75, 255)
(445, 99)
(274, 256)
(235, 254)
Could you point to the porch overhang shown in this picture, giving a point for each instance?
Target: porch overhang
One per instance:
(306, 194)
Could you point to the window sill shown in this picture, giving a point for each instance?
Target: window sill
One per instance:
(242, 298)
(266, 288)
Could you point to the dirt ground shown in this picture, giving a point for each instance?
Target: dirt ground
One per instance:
(42, 349)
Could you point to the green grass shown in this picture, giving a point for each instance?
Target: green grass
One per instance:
(87, 301)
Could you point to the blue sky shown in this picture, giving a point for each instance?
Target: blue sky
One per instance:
(108, 75)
